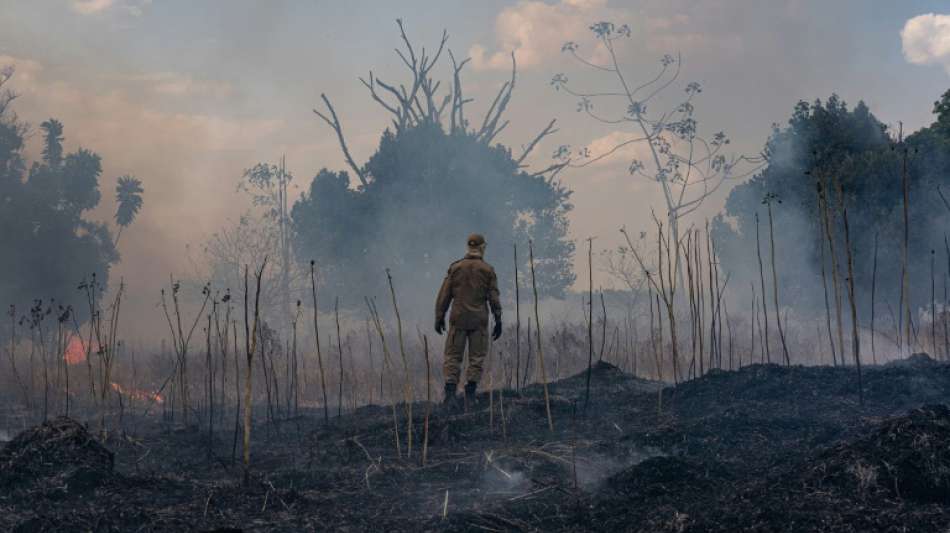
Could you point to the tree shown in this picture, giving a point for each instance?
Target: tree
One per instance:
(267, 184)
(48, 245)
(428, 191)
(263, 231)
(688, 167)
(827, 140)
(941, 127)
(128, 192)
(433, 179)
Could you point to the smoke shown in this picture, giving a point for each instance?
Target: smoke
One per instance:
(204, 94)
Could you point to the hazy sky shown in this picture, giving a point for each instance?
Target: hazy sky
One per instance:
(186, 94)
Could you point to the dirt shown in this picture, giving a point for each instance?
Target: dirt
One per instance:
(764, 448)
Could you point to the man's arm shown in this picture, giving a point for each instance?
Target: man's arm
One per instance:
(495, 305)
(493, 297)
(444, 298)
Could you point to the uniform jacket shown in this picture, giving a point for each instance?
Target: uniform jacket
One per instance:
(469, 285)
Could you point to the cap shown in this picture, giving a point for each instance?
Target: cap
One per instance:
(475, 240)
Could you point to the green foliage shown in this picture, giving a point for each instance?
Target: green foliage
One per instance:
(53, 141)
(48, 246)
(942, 110)
(264, 183)
(128, 192)
(830, 140)
(427, 191)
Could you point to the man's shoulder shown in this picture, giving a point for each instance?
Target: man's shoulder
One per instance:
(471, 262)
(480, 264)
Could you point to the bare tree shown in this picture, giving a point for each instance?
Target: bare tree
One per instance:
(267, 185)
(248, 241)
(687, 166)
(6, 95)
(181, 339)
(662, 279)
(250, 343)
(419, 102)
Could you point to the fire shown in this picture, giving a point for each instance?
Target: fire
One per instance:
(138, 394)
(75, 352)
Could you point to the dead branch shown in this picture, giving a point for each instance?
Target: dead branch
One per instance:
(371, 85)
(6, 96)
(548, 130)
(457, 120)
(490, 124)
(338, 128)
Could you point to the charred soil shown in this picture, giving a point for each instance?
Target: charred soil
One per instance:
(763, 448)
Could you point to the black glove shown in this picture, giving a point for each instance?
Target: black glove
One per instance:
(496, 332)
(440, 325)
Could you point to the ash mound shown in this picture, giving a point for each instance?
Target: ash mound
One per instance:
(604, 378)
(662, 476)
(917, 360)
(907, 457)
(56, 454)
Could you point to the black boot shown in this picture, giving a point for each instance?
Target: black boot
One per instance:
(470, 403)
(449, 402)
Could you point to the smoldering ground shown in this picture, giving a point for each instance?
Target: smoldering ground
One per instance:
(693, 459)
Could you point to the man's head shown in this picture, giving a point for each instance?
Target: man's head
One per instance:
(475, 245)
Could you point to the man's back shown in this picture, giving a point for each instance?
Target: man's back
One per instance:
(469, 285)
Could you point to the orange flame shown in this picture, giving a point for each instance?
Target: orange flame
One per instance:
(75, 352)
(137, 393)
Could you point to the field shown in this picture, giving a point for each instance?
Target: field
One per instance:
(762, 448)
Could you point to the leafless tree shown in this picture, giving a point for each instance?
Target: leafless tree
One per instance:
(181, 339)
(6, 95)
(662, 279)
(420, 102)
(687, 166)
(267, 185)
(248, 241)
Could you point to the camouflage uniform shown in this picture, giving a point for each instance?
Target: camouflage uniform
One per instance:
(469, 285)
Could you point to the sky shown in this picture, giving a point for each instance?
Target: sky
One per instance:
(185, 95)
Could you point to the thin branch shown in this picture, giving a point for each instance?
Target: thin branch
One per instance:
(458, 102)
(556, 168)
(338, 128)
(590, 64)
(371, 85)
(609, 152)
(944, 198)
(676, 74)
(488, 129)
(548, 130)
(651, 82)
(496, 131)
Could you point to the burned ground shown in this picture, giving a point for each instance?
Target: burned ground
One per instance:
(764, 448)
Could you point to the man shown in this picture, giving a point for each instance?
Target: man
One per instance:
(470, 284)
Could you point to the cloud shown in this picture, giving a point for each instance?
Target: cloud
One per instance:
(617, 146)
(25, 70)
(88, 7)
(175, 84)
(925, 40)
(92, 7)
(608, 160)
(535, 31)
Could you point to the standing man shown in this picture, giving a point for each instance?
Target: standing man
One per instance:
(471, 286)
